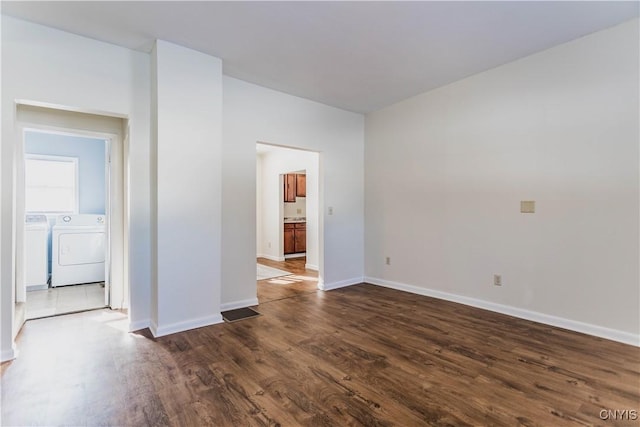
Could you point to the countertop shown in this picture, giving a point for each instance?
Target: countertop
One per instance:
(294, 220)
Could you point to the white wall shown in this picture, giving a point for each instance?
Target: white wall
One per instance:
(187, 109)
(259, 237)
(255, 114)
(446, 171)
(51, 66)
(276, 163)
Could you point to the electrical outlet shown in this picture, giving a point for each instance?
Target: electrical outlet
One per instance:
(528, 206)
(497, 280)
(387, 260)
(298, 211)
(269, 244)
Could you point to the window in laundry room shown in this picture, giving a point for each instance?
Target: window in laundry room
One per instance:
(51, 184)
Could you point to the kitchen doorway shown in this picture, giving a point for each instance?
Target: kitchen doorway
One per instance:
(288, 221)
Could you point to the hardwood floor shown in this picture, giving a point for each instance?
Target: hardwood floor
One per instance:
(362, 355)
(302, 281)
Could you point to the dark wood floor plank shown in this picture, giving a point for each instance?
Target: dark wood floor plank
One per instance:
(361, 355)
(300, 282)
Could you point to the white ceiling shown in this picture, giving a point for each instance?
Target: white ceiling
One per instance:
(359, 56)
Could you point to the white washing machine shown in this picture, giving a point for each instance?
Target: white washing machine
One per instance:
(36, 253)
(78, 249)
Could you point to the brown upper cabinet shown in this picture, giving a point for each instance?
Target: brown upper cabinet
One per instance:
(295, 185)
(290, 187)
(301, 185)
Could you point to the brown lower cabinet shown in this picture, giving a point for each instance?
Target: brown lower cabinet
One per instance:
(295, 238)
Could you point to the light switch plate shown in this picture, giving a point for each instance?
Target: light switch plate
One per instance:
(527, 206)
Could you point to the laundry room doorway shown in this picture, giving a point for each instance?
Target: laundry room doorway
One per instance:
(70, 204)
(65, 239)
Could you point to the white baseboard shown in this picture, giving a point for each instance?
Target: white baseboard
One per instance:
(270, 257)
(300, 255)
(340, 284)
(239, 304)
(160, 331)
(118, 306)
(139, 324)
(573, 325)
(311, 267)
(7, 355)
(37, 287)
(153, 327)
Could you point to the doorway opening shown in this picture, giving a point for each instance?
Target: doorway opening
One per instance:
(288, 221)
(71, 212)
(66, 236)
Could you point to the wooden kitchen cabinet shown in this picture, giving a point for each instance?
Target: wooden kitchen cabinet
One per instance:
(289, 239)
(290, 187)
(295, 238)
(301, 185)
(295, 185)
(300, 237)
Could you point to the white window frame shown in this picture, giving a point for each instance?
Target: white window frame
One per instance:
(76, 195)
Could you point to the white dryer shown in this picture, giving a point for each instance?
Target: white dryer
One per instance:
(78, 249)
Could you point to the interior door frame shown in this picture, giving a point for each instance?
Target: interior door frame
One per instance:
(319, 233)
(116, 268)
(21, 211)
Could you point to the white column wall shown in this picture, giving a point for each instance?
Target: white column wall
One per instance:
(187, 141)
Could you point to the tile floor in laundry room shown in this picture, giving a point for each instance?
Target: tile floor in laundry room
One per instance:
(64, 299)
